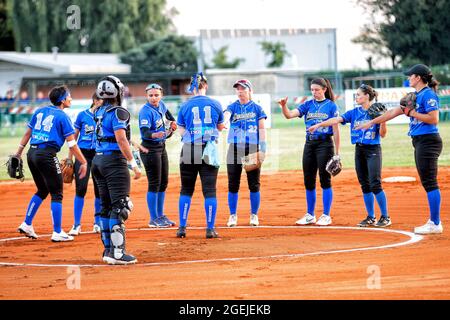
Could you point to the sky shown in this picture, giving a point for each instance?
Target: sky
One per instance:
(344, 15)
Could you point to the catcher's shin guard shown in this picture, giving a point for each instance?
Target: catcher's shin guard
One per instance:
(118, 246)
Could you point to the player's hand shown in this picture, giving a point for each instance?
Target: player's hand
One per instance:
(283, 102)
(158, 135)
(137, 173)
(82, 171)
(364, 126)
(173, 126)
(143, 149)
(313, 128)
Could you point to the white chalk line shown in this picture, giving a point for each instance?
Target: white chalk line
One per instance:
(413, 238)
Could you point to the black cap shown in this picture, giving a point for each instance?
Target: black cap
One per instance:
(419, 69)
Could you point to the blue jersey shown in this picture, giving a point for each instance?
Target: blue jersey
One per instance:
(358, 116)
(244, 122)
(107, 123)
(50, 126)
(426, 101)
(85, 123)
(200, 116)
(153, 119)
(316, 112)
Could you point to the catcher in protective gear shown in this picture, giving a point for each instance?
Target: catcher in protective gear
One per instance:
(377, 109)
(334, 165)
(408, 103)
(67, 170)
(14, 167)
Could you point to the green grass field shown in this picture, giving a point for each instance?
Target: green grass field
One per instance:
(285, 146)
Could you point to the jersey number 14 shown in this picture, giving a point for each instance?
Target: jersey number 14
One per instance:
(47, 123)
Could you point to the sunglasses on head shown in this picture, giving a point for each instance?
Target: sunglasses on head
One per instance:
(364, 86)
(153, 86)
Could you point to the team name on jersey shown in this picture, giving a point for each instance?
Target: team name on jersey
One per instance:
(243, 116)
(316, 115)
(432, 102)
(360, 122)
(41, 136)
(88, 129)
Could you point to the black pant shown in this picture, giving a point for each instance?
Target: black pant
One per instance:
(46, 172)
(81, 185)
(234, 168)
(191, 164)
(316, 154)
(368, 160)
(156, 166)
(113, 179)
(427, 149)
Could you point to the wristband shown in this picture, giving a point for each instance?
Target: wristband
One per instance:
(71, 143)
(21, 146)
(263, 146)
(132, 163)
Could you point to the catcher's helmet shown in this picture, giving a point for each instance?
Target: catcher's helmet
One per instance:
(110, 87)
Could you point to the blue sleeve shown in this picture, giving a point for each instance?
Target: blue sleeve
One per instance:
(303, 109)
(431, 102)
(230, 108)
(67, 126)
(347, 116)
(145, 120)
(334, 111)
(180, 117)
(32, 122)
(262, 114)
(220, 112)
(79, 122)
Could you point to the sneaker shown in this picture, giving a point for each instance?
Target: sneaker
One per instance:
(158, 223)
(254, 221)
(307, 219)
(367, 222)
(324, 220)
(27, 230)
(181, 232)
(232, 220)
(76, 230)
(106, 256)
(96, 228)
(383, 222)
(429, 228)
(168, 221)
(61, 237)
(211, 233)
(125, 259)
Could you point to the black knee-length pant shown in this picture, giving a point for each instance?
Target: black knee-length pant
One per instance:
(156, 166)
(368, 160)
(81, 185)
(316, 154)
(427, 149)
(234, 168)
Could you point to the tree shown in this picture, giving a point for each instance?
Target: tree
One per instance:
(278, 52)
(220, 59)
(105, 25)
(169, 54)
(6, 35)
(412, 30)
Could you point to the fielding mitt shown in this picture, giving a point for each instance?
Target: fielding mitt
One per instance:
(334, 165)
(377, 109)
(253, 161)
(14, 167)
(408, 103)
(67, 170)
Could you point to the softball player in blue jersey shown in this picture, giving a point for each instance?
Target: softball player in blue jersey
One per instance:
(246, 136)
(85, 134)
(319, 147)
(367, 154)
(110, 169)
(425, 136)
(199, 121)
(48, 128)
(153, 117)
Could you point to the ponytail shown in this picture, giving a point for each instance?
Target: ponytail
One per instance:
(430, 81)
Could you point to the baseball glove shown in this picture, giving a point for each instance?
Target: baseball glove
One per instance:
(67, 170)
(14, 167)
(334, 165)
(408, 103)
(377, 109)
(253, 161)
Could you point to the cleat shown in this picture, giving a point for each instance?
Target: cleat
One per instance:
(75, 231)
(211, 233)
(429, 228)
(367, 222)
(232, 220)
(307, 219)
(324, 220)
(123, 260)
(96, 228)
(27, 230)
(61, 237)
(383, 222)
(254, 221)
(158, 223)
(167, 221)
(106, 256)
(181, 232)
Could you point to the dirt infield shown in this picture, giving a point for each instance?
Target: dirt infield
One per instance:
(275, 261)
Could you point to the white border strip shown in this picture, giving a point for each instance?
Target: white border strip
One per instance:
(413, 238)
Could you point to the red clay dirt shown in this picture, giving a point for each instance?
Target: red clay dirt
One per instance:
(172, 268)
